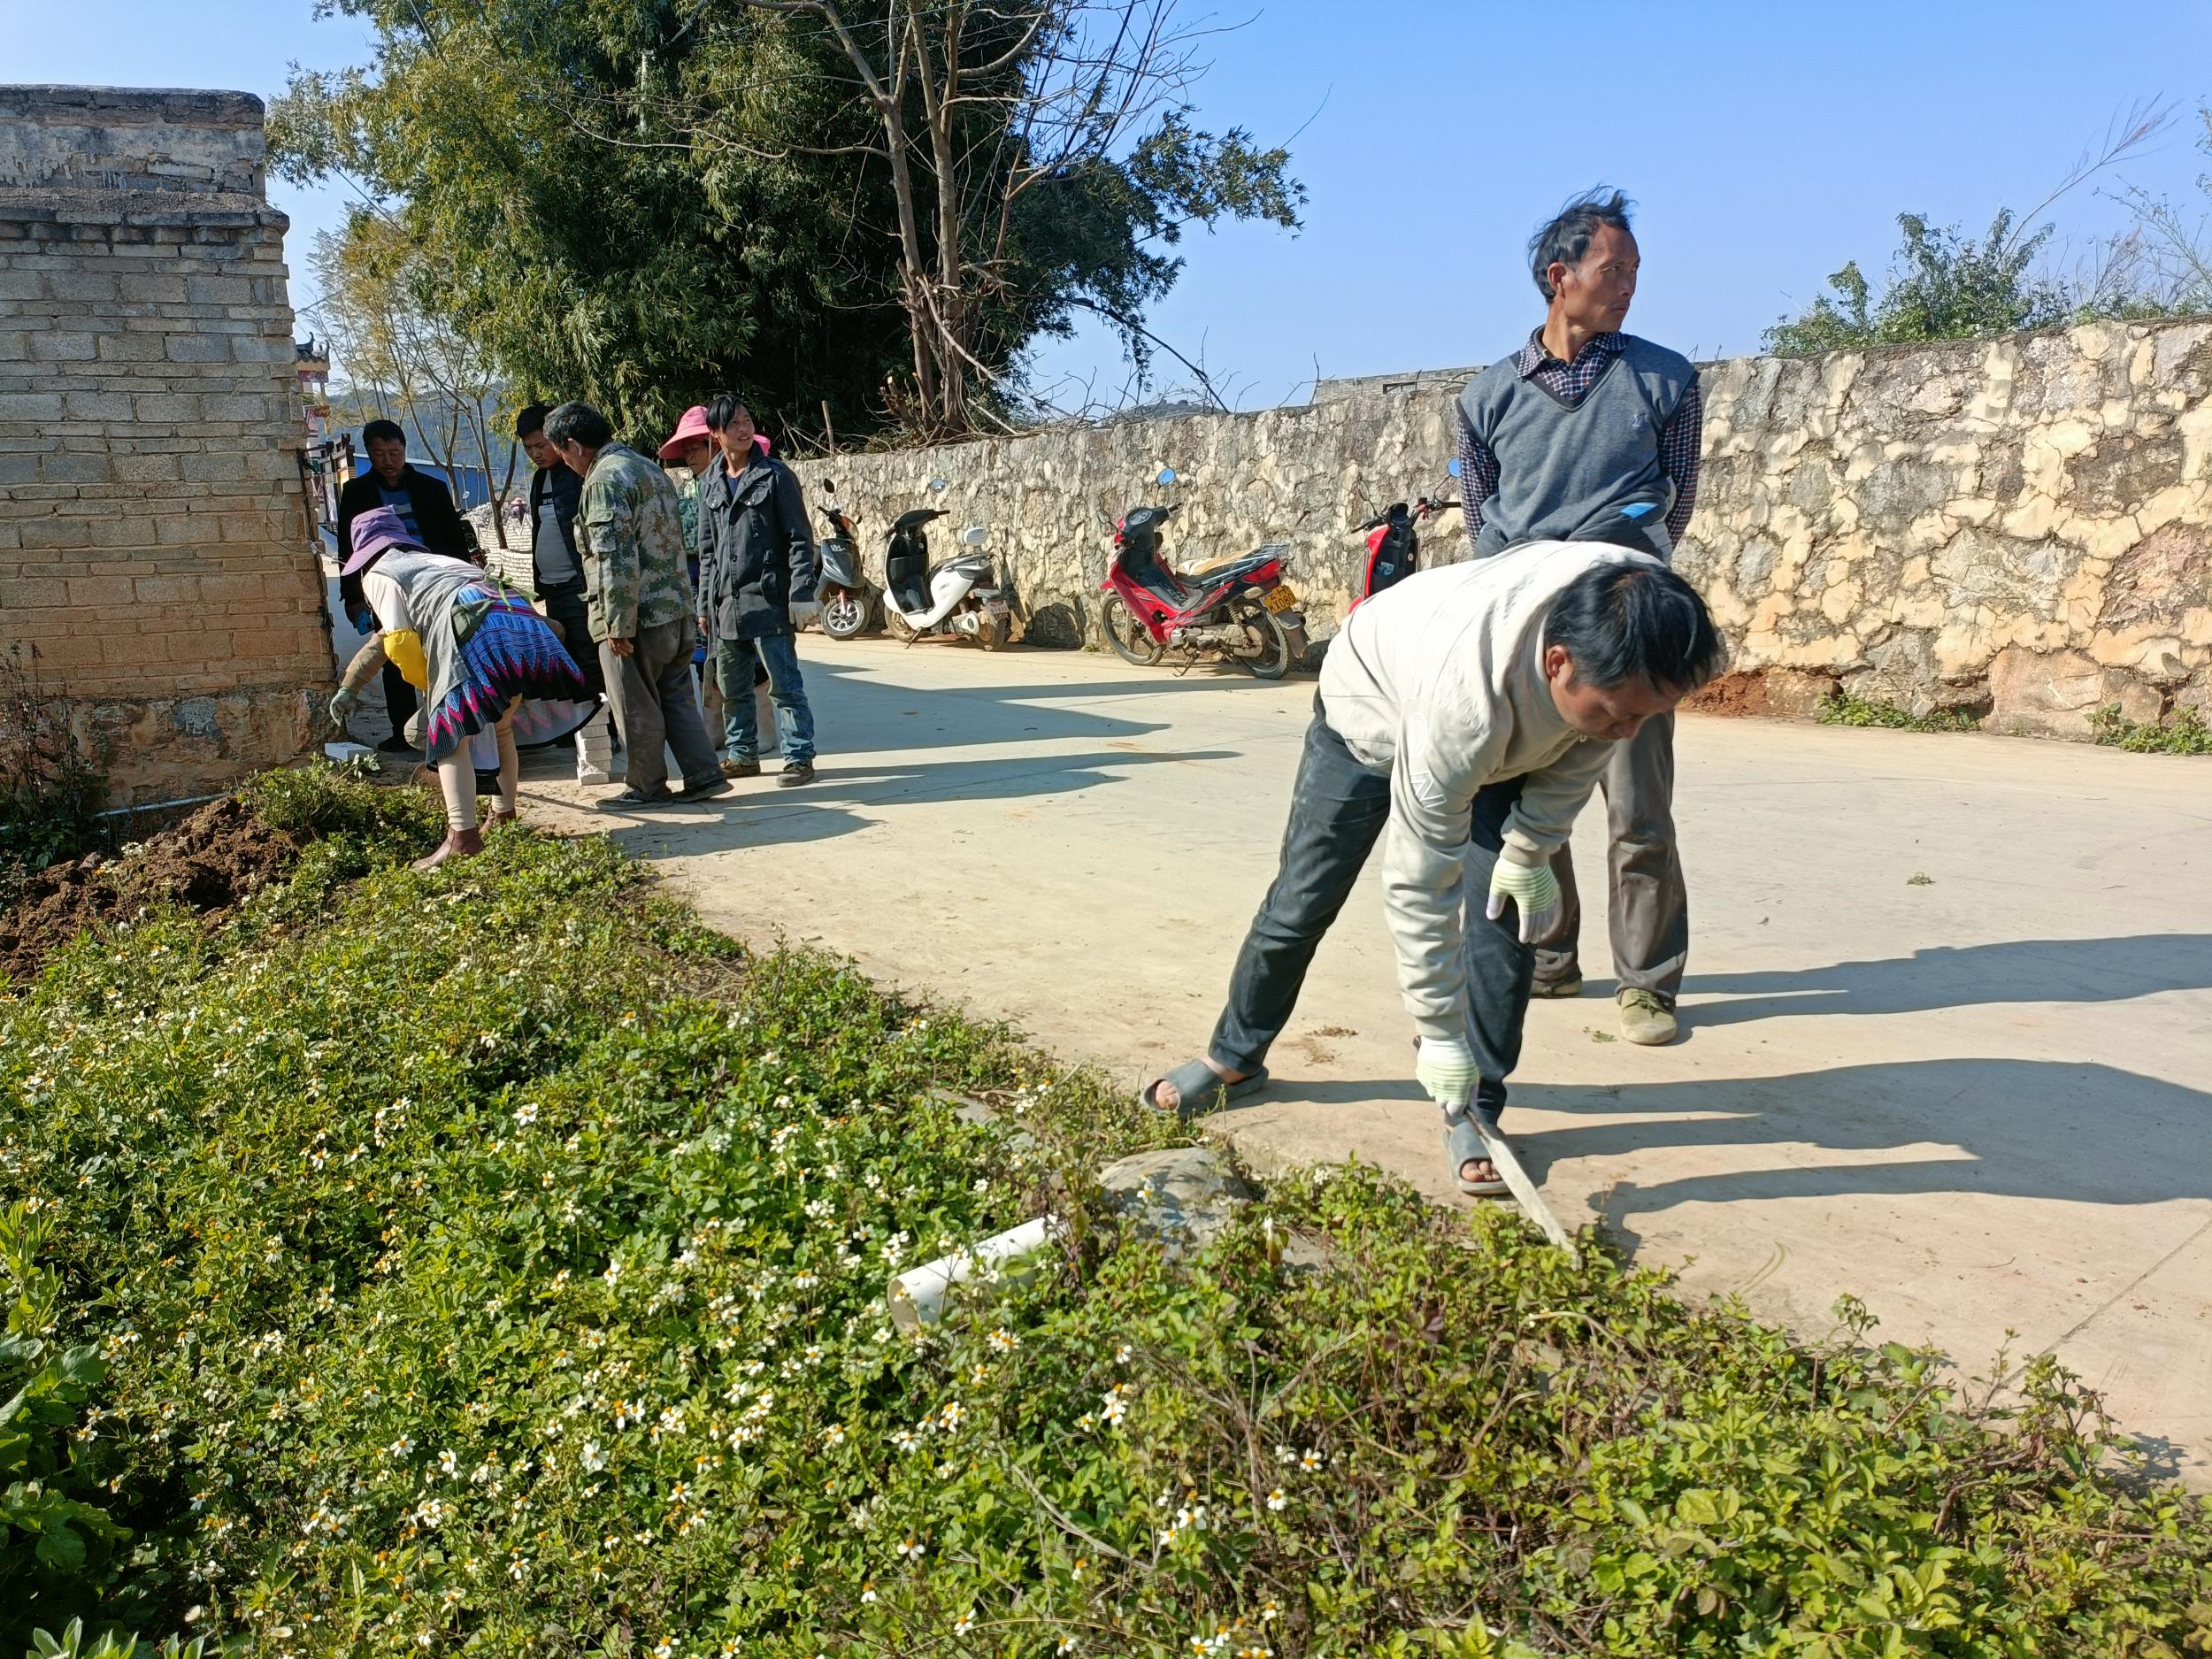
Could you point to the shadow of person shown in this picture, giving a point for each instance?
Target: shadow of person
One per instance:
(833, 804)
(2077, 1133)
(2081, 1133)
(1959, 976)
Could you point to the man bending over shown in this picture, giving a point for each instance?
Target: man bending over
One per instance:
(1464, 718)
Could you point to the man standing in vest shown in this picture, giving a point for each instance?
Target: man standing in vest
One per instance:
(1588, 433)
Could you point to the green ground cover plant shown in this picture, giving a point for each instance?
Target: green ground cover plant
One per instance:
(494, 1262)
(2185, 734)
(1847, 708)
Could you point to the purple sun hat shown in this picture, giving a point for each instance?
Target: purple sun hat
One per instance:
(376, 533)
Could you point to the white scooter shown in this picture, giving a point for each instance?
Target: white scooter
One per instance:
(958, 598)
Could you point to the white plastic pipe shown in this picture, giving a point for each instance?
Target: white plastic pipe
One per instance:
(919, 1296)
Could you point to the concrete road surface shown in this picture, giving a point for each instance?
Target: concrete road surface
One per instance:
(1948, 1019)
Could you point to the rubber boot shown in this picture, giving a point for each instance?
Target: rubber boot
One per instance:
(457, 844)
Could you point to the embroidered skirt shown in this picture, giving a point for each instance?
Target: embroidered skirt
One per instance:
(512, 654)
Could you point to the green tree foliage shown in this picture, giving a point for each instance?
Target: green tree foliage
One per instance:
(637, 201)
(590, 247)
(1942, 286)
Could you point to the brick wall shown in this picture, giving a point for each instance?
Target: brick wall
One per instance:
(154, 542)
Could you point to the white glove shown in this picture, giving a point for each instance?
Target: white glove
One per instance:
(343, 702)
(805, 611)
(1534, 891)
(1446, 1068)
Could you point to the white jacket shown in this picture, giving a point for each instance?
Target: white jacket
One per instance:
(1439, 682)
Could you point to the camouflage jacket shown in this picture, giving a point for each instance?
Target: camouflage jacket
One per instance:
(630, 539)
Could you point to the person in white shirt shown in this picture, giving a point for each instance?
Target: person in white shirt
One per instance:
(1464, 718)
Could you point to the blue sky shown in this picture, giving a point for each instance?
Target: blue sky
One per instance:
(1764, 144)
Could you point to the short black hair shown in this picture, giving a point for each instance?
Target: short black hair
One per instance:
(381, 432)
(722, 408)
(1564, 238)
(1624, 620)
(578, 422)
(531, 419)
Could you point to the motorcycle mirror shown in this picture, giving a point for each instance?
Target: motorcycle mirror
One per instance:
(975, 536)
(1454, 467)
(1167, 475)
(936, 485)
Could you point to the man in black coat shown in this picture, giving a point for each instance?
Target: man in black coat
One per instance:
(558, 575)
(425, 505)
(757, 574)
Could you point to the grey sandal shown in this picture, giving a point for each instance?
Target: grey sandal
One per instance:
(1463, 1144)
(1196, 1081)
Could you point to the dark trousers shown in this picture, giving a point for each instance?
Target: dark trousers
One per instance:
(656, 709)
(400, 702)
(1650, 909)
(1337, 809)
(565, 605)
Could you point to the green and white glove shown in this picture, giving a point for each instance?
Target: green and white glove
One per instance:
(1445, 1067)
(343, 702)
(1534, 891)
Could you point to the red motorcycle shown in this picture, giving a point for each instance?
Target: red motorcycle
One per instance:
(1239, 610)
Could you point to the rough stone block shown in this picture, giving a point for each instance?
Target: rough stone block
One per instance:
(2045, 693)
(62, 347)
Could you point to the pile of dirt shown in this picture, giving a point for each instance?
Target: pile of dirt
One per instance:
(216, 858)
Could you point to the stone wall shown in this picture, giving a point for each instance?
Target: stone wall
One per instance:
(2018, 527)
(154, 546)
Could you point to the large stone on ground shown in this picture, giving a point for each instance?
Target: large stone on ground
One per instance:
(2043, 694)
(1183, 1198)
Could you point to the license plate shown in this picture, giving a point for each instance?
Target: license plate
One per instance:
(1280, 599)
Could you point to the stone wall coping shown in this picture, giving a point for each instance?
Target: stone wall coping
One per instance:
(224, 210)
(120, 106)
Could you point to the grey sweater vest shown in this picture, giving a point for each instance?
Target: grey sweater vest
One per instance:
(1585, 472)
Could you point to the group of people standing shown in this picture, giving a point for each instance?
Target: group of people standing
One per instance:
(638, 582)
(1464, 717)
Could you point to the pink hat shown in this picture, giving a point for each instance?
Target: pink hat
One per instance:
(694, 425)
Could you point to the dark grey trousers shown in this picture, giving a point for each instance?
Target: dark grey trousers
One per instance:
(1337, 809)
(1650, 911)
(656, 709)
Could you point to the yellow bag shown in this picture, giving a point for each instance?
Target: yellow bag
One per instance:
(403, 647)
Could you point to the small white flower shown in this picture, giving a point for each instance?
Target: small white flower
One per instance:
(911, 1549)
(833, 1435)
(447, 1463)
(962, 1625)
(1276, 1499)
(1121, 1354)
(526, 1114)
(593, 1459)
(1067, 1645)
(1311, 1460)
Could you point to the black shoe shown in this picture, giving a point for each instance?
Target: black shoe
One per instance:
(705, 788)
(396, 745)
(488, 783)
(795, 773)
(630, 801)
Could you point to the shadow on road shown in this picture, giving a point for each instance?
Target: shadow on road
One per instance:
(2020, 1128)
(758, 814)
(1945, 976)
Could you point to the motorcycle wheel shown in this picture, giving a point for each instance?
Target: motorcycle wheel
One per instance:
(845, 614)
(991, 632)
(1270, 660)
(894, 625)
(1131, 641)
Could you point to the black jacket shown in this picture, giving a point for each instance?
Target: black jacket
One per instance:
(755, 554)
(442, 529)
(567, 491)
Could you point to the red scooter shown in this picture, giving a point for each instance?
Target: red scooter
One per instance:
(1239, 610)
(1394, 544)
